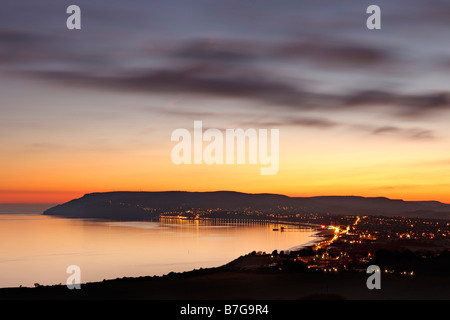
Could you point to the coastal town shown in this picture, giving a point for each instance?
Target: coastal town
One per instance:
(399, 245)
(410, 252)
(347, 243)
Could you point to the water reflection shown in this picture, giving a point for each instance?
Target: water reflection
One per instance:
(38, 248)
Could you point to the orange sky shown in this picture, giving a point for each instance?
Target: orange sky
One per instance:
(360, 112)
(345, 166)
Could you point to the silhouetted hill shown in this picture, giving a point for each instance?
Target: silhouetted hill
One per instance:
(141, 205)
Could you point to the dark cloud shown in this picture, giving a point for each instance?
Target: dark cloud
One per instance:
(332, 53)
(320, 51)
(295, 120)
(12, 38)
(197, 79)
(28, 50)
(217, 50)
(253, 84)
(403, 105)
(312, 122)
(409, 133)
(226, 68)
(25, 47)
(299, 121)
(323, 123)
(417, 105)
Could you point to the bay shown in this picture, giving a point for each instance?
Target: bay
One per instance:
(38, 249)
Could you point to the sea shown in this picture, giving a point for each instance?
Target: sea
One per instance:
(38, 249)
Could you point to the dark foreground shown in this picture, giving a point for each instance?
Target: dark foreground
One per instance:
(230, 283)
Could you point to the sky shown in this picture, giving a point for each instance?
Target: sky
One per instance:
(360, 112)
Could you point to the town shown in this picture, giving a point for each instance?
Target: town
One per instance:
(400, 245)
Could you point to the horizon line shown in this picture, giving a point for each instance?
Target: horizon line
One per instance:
(213, 191)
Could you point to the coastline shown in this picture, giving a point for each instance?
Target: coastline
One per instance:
(254, 276)
(243, 279)
(295, 240)
(319, 237)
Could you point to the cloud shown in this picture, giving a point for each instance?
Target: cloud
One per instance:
(404, 105)
(299, 121)
(217, 50)
(23, 46)
(323, 52)
(409, 133)
(220, 67)
(326, 124)
(10, 37)
(332, 53)
(197, 79)
(214, 80)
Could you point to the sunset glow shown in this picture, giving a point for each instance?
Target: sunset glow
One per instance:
(359, 113)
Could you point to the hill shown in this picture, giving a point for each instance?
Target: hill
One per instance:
(125, 205)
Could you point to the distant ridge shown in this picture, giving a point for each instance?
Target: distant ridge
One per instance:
(130, 205)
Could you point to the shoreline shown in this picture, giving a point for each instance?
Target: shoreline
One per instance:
(314, 237)
(319, 237)
(242, 279)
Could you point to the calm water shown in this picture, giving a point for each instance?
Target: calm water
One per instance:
(36, 248)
